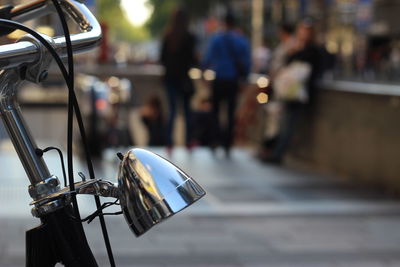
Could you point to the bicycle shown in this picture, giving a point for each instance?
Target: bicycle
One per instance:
(149, 190)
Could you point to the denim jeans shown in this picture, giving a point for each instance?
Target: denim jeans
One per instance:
(176, 95)
(225, 91)
(290, 120)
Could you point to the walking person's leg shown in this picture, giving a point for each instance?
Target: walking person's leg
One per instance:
(171, 96)
(216, 99)
(289, 125)
(231, 92)
(188, 120)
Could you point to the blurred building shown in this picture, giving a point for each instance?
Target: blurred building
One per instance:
(363, 34)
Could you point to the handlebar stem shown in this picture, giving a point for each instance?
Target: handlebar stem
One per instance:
(13, 55)
(17, 129)
(29, 60)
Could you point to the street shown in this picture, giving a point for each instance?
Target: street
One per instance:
(283, 111)
(253, 215)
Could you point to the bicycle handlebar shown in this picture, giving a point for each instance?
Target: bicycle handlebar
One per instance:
(13, 55)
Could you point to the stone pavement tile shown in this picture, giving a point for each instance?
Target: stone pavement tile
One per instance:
(363, 264)
(234, 193)
(181, 223)
(139, 250)
(250, 238)
(384, 230)
(309, 240)
(8, 261)
(189, 239)
(125, 243)
(266, 264)
(321, 259)
(171, 260)
(316, 233)
(207, 265)
(203, 240)
(372, 263)
(338, 264)
(104, 263)
(235, 249)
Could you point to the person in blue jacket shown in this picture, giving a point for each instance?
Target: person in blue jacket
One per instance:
(228, 55)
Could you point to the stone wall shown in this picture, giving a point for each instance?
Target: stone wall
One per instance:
(353, 135)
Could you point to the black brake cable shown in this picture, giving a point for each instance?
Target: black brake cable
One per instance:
(70, 124)
(52, 51)
(40, 153)
(73, 103)
(99, 211)
(16, 25)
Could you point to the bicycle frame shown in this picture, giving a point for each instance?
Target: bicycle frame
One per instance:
(59, 238)
(29, 60)
(150, 189)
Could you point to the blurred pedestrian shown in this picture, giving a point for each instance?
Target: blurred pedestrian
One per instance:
(152, 117)
(261, 58)
(178, 56)
(273, 109)
(205, 124)
(303, 68)
(228, 55)
(286, 43)
(3, 133)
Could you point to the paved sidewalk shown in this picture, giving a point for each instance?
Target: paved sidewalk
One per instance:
(253, 215)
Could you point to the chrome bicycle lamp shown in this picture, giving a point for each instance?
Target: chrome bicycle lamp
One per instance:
(151, 189)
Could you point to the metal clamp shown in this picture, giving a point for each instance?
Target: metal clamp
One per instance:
(47, 187)
(39, 191)
(50, 202)
(38, 71)
(97, 187)
(49, 207)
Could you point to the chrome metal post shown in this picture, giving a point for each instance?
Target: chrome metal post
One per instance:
(14, 55)
(17, 129)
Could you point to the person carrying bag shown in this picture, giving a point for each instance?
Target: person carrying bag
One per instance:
(295, 86)
(290, 83)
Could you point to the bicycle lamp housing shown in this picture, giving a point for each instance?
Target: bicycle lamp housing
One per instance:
(151, 189)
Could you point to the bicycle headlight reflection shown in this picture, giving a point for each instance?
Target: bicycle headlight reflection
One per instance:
(153, 189)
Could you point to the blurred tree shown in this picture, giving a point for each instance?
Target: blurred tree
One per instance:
(111, 13)
(162, 10)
